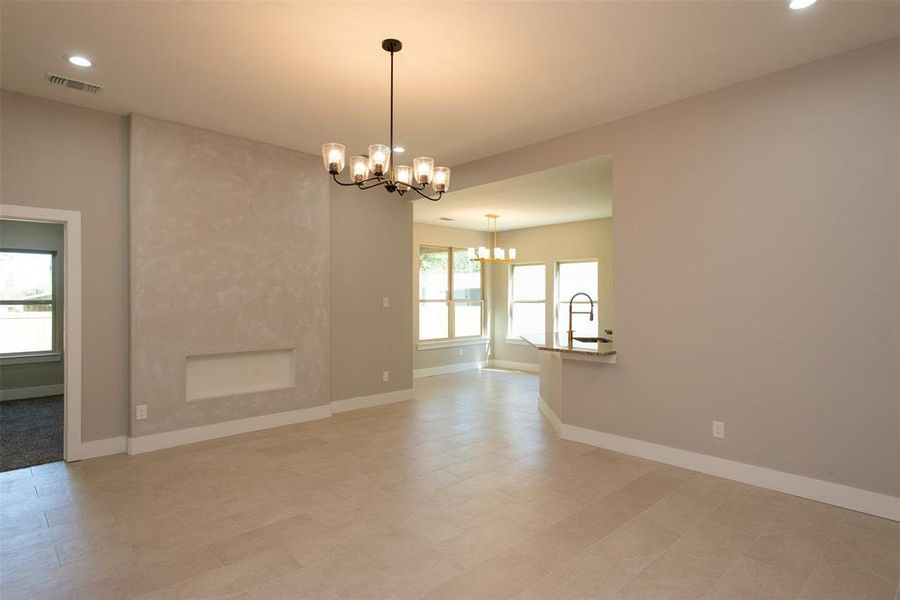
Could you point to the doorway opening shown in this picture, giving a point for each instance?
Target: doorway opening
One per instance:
(537, 272)
(31, 331)
(40, 336)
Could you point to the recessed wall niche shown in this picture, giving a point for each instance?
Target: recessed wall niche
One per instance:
(217, 375)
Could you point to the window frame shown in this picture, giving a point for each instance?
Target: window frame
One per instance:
(580, 301)
(511, 301)
(450, 301)
(55, 316)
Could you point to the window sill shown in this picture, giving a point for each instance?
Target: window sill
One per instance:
(452, 343)
(516, 342)
(24, 359)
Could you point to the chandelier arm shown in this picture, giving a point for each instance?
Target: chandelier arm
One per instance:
(374, 185)
(419, 192)
(359, 184)
(337, 181)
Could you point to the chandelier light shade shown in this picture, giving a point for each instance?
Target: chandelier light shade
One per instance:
(441, 180)
(374, 170)
(379, 158)
(424, 168)
(333, 156)
(403, 176)
(496, 254)
(359, 168)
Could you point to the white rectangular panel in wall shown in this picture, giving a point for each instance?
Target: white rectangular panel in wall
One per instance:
(217, 375)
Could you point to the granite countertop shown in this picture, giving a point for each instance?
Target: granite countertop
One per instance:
(561, 344)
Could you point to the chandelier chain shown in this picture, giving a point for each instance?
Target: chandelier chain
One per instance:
(392, 103)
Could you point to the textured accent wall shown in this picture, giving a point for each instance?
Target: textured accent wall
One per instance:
(229, 253)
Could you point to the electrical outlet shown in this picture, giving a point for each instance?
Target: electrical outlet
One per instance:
(460, 352)
(385, 376)
(718, 429)
(385, 302)
(140, 412)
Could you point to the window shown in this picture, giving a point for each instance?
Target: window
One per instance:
(571, 278)
(451, 303)
(527, 293)
(26, 302)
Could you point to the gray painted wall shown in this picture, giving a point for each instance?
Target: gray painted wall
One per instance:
(371, 234)
(28, 235)
(61, 156)
(229, 253)
(756, 257)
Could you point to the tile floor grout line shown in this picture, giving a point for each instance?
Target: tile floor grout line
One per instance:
(754, 539)
(58, 559)
(662, 554)
(824, 552)
(601, 539)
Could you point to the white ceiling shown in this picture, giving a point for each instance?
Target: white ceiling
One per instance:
(473, 79)
(575, 192)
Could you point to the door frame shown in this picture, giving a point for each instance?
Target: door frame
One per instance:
(71, 343)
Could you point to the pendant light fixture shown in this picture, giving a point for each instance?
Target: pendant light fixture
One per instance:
(372, 171)
(495, 254)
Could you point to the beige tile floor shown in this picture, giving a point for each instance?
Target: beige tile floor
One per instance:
(465, 492)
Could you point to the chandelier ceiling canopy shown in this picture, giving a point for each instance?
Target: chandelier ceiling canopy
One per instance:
(496, 253)
(374, 170)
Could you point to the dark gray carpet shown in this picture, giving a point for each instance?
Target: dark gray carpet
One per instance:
(31, 432)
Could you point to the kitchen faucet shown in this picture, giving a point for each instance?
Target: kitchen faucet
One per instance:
(571, 312)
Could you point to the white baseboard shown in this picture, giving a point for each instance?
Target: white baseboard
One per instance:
(168, 439)
(471, 366)
(35, 391)
(202, 433)
(444, 369)
(514, 366)
(339, 406)
(551, 416)
(836, 494)
(96, 448)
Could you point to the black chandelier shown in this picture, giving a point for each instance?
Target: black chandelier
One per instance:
(370, 171)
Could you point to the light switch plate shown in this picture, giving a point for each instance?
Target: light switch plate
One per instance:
(385, 302)
(718, 429)
(385, 376)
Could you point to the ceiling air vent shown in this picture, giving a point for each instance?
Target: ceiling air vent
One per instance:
(81, 86)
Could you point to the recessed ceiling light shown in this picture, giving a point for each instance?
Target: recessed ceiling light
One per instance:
(800, 4)
(80, 61)
(399, 149)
